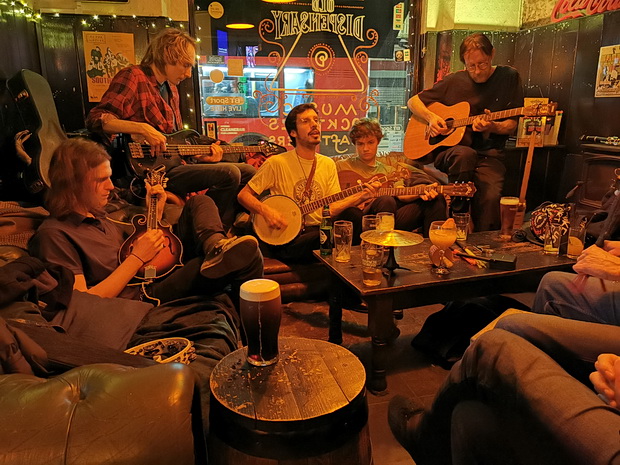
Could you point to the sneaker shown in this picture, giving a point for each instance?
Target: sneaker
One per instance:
(229, 255)
(404, 415)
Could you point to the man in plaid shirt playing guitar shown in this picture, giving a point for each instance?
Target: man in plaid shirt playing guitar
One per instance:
(143, 101)
(478, 155)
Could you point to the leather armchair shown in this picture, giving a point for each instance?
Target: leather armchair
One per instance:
(101, 413)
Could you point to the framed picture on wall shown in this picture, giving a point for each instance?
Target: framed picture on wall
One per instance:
(607, 74)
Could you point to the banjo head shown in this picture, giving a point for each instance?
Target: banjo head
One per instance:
(291, 213)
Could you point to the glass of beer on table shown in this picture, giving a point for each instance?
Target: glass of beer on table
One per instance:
(261, 311)
(508, 207)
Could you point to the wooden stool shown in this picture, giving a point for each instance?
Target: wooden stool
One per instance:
(309, 407)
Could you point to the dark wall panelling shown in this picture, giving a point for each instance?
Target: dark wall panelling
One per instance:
(563, 61)
(504, 44)
(540, 72)
(609, 105)
(584, 118)
(19, 50)
(61, 69)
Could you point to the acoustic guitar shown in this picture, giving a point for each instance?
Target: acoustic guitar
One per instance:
(350, 177)
(418, 141)
(179, 145)
(170, 256)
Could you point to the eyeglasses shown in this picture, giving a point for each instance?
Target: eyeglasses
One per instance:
(316, 121)
(481, 66)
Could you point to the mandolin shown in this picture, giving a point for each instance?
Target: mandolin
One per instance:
(170, 256)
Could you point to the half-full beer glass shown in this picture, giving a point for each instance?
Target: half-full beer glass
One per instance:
(261, 311)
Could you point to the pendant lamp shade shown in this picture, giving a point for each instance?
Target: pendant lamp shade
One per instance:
(238, 15)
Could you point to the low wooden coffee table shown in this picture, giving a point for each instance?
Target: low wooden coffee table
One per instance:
(406, 289)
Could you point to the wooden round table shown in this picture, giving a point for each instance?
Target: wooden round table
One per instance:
(309, 407)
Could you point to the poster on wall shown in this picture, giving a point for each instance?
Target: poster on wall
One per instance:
(105, 53)
(607, 82)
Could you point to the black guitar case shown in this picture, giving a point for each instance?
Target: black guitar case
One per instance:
(37, 110)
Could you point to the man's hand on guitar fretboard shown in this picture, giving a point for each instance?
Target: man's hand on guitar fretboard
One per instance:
(214, 156)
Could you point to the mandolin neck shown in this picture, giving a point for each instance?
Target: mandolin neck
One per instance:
(151, 214)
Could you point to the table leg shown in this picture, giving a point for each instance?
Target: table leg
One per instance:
(382, 328)
(335, 313)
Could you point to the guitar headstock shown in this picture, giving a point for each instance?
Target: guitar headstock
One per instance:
(270, 148)
(157, 176)
(541, 109)
(465, 189)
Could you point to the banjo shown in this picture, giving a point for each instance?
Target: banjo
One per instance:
(294, 214)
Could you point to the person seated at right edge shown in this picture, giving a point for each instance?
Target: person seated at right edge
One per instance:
(521, 396)
(143, 101)
(594, 296)
(478, 157)
(410, 211)
(287, 174)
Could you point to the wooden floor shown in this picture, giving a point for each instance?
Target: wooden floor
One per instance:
(411, 373)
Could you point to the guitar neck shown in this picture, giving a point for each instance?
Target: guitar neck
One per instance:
(414, 190)
(139, 150)
(316, 204)
(488, 117)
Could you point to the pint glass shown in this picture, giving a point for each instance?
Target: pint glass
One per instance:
(508, 207)
(261, 311)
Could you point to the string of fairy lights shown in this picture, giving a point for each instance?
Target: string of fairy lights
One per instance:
(18, 9)
(22, 9)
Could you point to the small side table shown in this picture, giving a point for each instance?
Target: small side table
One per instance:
(309, 407)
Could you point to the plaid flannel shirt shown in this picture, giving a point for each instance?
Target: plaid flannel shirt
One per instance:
(134, 95)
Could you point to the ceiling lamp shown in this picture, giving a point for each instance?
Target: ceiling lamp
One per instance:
(239, 25)
(238, 15)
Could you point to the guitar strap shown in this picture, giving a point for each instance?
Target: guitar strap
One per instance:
(308, 188)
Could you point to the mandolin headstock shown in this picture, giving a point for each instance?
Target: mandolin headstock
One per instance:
(157, 176)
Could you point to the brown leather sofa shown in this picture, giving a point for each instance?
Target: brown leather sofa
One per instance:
(100, 414)
(80, 410)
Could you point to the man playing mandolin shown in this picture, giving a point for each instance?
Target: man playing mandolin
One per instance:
(302, 175)
(143, 101)
(410, 211)
(81, 238)
(478, 156)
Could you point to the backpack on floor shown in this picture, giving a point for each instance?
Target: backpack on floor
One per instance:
(445, 334)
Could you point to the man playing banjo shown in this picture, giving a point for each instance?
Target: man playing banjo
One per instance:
(304, 176)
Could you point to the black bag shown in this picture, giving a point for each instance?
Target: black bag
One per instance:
(445, 334)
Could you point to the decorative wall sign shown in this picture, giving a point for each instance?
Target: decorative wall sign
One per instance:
(608, 72)
(570, 9)
(105, 53)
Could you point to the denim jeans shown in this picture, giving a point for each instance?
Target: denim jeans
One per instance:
(548, 415)
(223, 181)
(198, 228)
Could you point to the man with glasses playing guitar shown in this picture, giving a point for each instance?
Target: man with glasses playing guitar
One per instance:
(297, 178)
(143, 101)
(476, 156)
